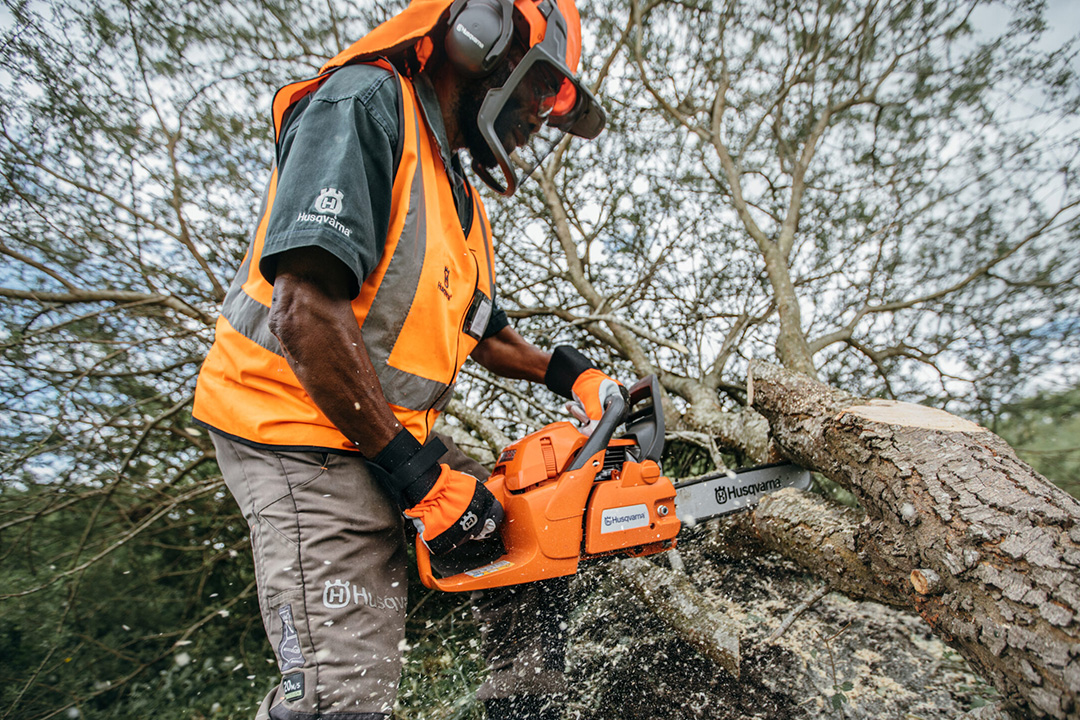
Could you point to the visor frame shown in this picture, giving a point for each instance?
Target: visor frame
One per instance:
(585, 119)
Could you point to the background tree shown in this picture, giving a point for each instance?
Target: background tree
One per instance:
(881, 194)
(133, 148)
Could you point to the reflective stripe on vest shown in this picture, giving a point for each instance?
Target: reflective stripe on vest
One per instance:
(235, 382)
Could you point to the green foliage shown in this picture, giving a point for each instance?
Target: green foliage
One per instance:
(1045, 432)
(171, 609)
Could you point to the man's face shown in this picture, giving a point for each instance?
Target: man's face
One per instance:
(472, 97)
(522, 115)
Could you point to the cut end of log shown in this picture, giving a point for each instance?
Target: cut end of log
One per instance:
(890, 412)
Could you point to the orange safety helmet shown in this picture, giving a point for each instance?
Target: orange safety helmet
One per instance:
(478, 34)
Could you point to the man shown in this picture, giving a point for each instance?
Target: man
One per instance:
(368, 283)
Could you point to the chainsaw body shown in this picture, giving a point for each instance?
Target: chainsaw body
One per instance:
(568, 498)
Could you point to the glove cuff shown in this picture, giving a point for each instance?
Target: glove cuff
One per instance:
(565, 367)
(406, 469)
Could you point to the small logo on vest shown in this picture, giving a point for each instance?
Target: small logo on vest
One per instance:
(444, 286)
(329, 201)
(336, 594)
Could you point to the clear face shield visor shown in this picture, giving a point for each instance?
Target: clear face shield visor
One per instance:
(526, 118)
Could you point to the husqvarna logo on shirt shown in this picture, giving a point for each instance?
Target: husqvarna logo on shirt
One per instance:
(329, 201)
(327, 206)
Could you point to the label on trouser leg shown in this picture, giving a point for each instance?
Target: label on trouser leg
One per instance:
(292, 686)
(289, 647)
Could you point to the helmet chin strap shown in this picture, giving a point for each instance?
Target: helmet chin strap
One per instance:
(505, 190)
(540, 148)
(510, 182)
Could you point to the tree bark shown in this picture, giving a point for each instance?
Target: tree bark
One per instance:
(950, 501)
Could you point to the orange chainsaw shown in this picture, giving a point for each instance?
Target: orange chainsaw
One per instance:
(569, 498)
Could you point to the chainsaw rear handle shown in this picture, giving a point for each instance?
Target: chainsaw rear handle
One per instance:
(615, 410)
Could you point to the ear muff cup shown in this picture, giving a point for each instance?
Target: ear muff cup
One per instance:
(478, 35)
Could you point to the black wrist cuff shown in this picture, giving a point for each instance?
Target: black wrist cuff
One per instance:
(406, 469)
(565, 367)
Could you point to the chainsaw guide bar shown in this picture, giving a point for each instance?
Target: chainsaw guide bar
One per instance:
(569, 499)
(705, 498)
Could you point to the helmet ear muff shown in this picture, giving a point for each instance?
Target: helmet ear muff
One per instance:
(478, 35)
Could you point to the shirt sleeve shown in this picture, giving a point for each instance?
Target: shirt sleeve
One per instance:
(336, 174)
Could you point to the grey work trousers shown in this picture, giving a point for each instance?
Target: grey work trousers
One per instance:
(330, 565)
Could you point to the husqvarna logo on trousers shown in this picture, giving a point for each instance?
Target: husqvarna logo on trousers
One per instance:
(340, 593)
(336, 594)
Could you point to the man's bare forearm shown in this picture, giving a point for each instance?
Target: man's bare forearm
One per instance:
(311, 316)
(509, 355)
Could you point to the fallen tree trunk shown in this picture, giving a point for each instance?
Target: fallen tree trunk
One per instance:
(820, 535)
(950, 509)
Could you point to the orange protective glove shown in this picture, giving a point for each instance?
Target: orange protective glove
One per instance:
(447, 507)
(591, 389)
(456, 509)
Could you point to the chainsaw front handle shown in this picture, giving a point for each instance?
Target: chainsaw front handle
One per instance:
(615, 411)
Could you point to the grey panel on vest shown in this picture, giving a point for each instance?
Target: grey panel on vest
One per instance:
(248, 316)
(394, 299)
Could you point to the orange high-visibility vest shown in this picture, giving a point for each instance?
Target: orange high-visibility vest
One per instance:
(411, 309)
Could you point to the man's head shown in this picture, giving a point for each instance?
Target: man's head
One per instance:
(522, 56)
(517, 61)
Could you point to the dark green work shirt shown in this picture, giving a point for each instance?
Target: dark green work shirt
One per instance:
(336, 159)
